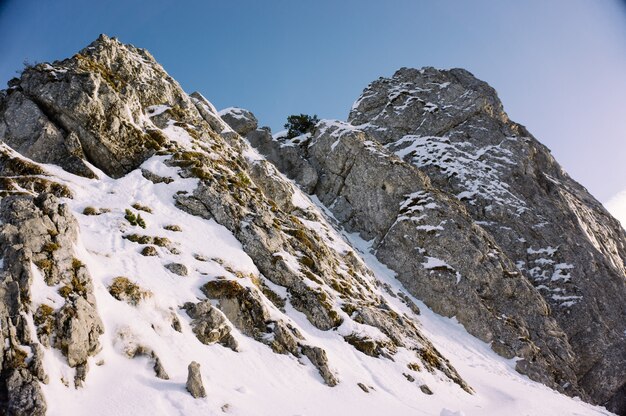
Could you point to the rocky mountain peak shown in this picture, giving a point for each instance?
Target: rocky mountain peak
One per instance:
(440, 99)
(142, 235)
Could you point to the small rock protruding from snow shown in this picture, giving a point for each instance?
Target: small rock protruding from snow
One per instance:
(194, 381)
(177, 268)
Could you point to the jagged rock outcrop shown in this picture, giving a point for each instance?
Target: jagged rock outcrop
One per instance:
(90, 107)
(36, 237)
(240, 120)
(478, 220)
(440, 255)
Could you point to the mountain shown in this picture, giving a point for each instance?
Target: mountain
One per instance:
(434, 258)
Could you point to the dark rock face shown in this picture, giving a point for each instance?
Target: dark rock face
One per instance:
(452, 127)
(478, 220)
(240, 120)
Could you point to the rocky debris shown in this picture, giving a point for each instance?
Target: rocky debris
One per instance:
(210, 325)
(154, 178)
(426, 390)
(363, 387)
(78, 329)
(245, 309)
(240, 120)
(241, 305)
(408, 302)
(177, 268)
(561, 239)
(157, 241)
(194, 381)
(317, 356)
(25, 397)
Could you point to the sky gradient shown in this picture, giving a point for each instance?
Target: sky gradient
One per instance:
(558, 66)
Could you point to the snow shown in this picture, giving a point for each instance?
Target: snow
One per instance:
(433, 263)
(234, 112)
(155, 110)
(500, 390)
(477, 170)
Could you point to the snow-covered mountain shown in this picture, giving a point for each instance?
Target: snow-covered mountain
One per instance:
(156, 263)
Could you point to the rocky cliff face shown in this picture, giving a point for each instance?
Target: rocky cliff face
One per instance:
(140, 228)
(478, 220)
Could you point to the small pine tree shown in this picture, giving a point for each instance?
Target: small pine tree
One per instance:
(300, 124)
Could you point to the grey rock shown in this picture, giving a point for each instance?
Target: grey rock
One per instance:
(287, 159)
(78, 330)
(143, 351)
(242, 306)
(210, 325)
(25, 395)
(561, 238)
(363, 387)
(39, 230)
(154, 178)
(51, 114)
(317, 356)
(371, 191)
(194, 381)
(177, 268)
(208, 112)
(240, 120)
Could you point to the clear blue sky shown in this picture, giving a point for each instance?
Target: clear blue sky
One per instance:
(559, 65)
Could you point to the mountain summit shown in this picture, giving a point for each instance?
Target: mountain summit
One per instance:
(154, 262)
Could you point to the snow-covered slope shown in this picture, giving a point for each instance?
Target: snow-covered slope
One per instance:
(254, 380)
